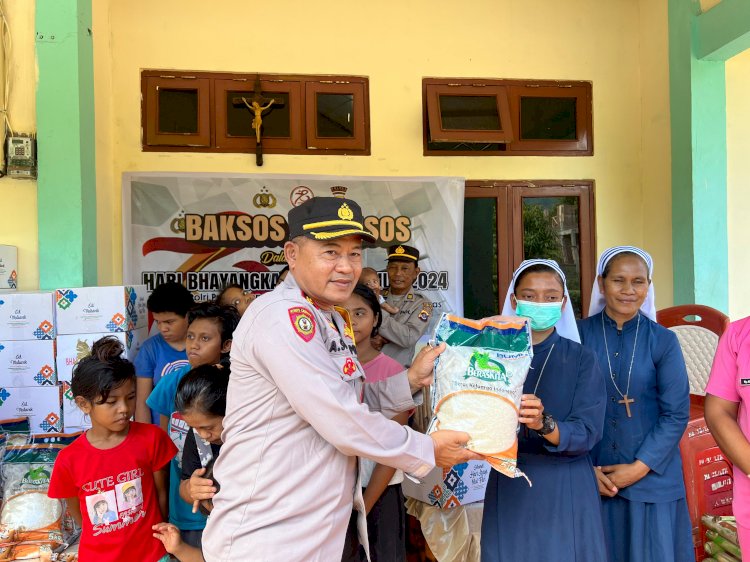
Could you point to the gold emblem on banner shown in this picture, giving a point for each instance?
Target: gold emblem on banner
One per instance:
(339, 191)
(177, 225)
(264, 199)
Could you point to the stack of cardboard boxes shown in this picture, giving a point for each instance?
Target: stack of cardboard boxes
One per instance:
(8, 268)
(28, 379)
(43, 335)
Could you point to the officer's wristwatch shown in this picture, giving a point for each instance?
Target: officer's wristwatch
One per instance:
(548, 425)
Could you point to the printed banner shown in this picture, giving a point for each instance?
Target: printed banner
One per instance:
(207, 230)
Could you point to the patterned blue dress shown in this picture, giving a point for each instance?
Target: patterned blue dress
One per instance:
(558, 517)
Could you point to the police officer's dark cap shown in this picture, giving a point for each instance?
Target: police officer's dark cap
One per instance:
(326, 218)
(400, 252)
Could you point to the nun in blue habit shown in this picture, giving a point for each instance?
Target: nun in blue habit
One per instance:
(639, 470)
(561, 417)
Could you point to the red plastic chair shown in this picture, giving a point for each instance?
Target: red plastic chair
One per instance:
(694, 315)
(698, 328)
(706, 472)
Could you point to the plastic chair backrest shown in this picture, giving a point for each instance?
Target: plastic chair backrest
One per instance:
(698, 329)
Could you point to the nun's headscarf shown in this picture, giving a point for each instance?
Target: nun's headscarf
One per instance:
(566, 326)
(597, 298)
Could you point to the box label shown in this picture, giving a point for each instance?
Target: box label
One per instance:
(42, 405)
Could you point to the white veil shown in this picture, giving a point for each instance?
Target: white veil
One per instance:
(597, 298)
(566, 326)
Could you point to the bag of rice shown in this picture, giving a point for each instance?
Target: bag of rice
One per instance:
(32, 526)
(13, 432)
(17, 430)
(478, 384)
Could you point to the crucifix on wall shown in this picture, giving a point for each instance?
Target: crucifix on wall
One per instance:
(258, 104)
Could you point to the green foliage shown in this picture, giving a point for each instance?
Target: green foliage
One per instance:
(540, 239)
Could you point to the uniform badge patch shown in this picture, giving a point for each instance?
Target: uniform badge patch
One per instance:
(303, 322)
(744, 382)
(424, 314)
(348, 330)
(349, 367)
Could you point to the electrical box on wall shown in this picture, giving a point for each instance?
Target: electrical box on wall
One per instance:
(21, 156)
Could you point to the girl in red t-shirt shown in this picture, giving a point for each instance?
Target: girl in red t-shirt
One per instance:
(113, 477)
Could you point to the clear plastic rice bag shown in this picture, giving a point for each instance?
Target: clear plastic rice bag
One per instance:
(13, 432)
(16, 430)
(479, 382)
(32, 526)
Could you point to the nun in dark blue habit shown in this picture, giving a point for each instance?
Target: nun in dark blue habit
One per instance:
(638, 460)
(561, 416)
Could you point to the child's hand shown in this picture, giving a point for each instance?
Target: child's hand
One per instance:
(389, 308)
(169, 535)
(374, 286)
(378, 342)
(200, 488)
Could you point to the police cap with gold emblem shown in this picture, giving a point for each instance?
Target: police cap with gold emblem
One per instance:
(401, 252)
(326, 218)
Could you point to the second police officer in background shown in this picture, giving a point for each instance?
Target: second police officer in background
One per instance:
(399, 333)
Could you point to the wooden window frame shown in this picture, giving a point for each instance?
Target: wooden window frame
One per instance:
(214, 120)
(510, 195)
(150, 117)
(434, 115)
(582, 146)
(361, 138)
(558, 90)
(295, 141)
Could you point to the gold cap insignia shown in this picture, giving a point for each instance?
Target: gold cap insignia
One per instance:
(345, 213)
(399, 250)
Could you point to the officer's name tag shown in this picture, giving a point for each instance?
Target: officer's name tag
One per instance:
(744, 382)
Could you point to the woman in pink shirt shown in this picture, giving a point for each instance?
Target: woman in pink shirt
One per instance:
(728, 415)
(384, 501)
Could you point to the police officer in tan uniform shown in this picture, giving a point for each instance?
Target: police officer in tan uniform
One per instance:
(295, 418)
(399, 332)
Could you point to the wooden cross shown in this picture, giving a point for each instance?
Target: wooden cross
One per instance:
(257, 104)
(627, 401)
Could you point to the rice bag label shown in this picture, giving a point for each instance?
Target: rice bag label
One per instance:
(479, 382)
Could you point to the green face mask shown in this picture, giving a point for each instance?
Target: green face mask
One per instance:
(543, 315)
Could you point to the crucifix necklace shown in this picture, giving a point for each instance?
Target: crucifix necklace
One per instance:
(626, 400)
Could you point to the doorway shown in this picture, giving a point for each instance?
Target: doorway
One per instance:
(506, 222)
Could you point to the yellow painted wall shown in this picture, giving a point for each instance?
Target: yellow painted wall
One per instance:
(656, 174)
(738, 172)
(18, 215)
(618, 44)
(706, 5)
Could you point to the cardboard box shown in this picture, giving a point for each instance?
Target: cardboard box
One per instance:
(450, 487)
(96, 310)
(27, 363)
(41, 404)
(27, 316)
(73, 418)
(8, 268)
(71, 348)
